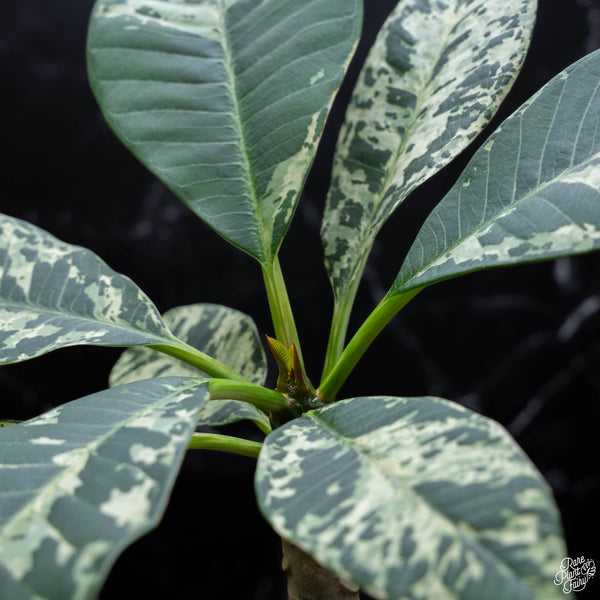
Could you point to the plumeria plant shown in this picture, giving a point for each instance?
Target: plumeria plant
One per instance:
(225, 101)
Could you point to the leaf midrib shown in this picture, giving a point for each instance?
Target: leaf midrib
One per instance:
(229, 66)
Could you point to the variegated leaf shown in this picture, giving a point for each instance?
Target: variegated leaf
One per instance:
(413, 499)
(226, 334)
(223, 333)
(532, 191)
(434, 78)
(54, 294)
(224, 100)
(81, 482)
(225, 412)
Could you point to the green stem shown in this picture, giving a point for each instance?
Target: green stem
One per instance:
(341, 317)
(337, 335)
(198, 359)
(281, 309)
(358, 345)
(263, 398)
(225, 443)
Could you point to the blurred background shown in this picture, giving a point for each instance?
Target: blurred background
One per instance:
(520, 345)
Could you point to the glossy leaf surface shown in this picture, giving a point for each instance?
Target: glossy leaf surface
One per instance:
(81, 482)
(224, 100)
(532, 191)
(221, 332)
(54, 294)
(434, 78)
(413, 498)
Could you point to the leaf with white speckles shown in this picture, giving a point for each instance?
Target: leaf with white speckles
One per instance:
(224, 100)
(412, 499)
(532, 192)
(81, 482)
(223, 333)
(53, 294)
(434, 78)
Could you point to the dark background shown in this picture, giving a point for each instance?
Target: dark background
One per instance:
(521, 345)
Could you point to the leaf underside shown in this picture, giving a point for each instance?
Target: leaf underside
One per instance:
(532, 192)
(223, 333)
(224, 100)
(81, 482)
(53, 294)
(413, 498)
(432, 81)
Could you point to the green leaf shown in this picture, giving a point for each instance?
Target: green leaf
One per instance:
(54, 294)
(432, 81)
(413, 498)
(85, 480)
(223, 333)
(532, 191)
(224, 100)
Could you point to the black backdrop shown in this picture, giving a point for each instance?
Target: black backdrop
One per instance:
(520, 345)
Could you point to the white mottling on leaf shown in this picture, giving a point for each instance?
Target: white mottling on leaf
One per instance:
(55, 295)
(147, 455)
(376, 486)
(317, 77)
(249, 189)
(46, 441)
(129, 508)
(109, 479)
(203, 20)
(531, 192)
(420, 100)
(223, 333)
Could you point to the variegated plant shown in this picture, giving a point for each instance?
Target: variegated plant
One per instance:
(225, 101)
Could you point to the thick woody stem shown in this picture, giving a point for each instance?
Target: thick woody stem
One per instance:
(308, 580)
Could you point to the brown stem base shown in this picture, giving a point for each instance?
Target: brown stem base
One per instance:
(308, 580)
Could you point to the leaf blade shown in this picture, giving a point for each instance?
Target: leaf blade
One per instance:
(229, 336)
(223, 333)
(412, 498)
(421, 99)
(530, 193)
(85, 480)
(224, 101)
(54, 294)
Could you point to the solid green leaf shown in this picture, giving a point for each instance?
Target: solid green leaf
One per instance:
(81, 482)
(226, 334)
(413, 498)
(532, 192)
(432, 81)
(53, 294)
(224, 100)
